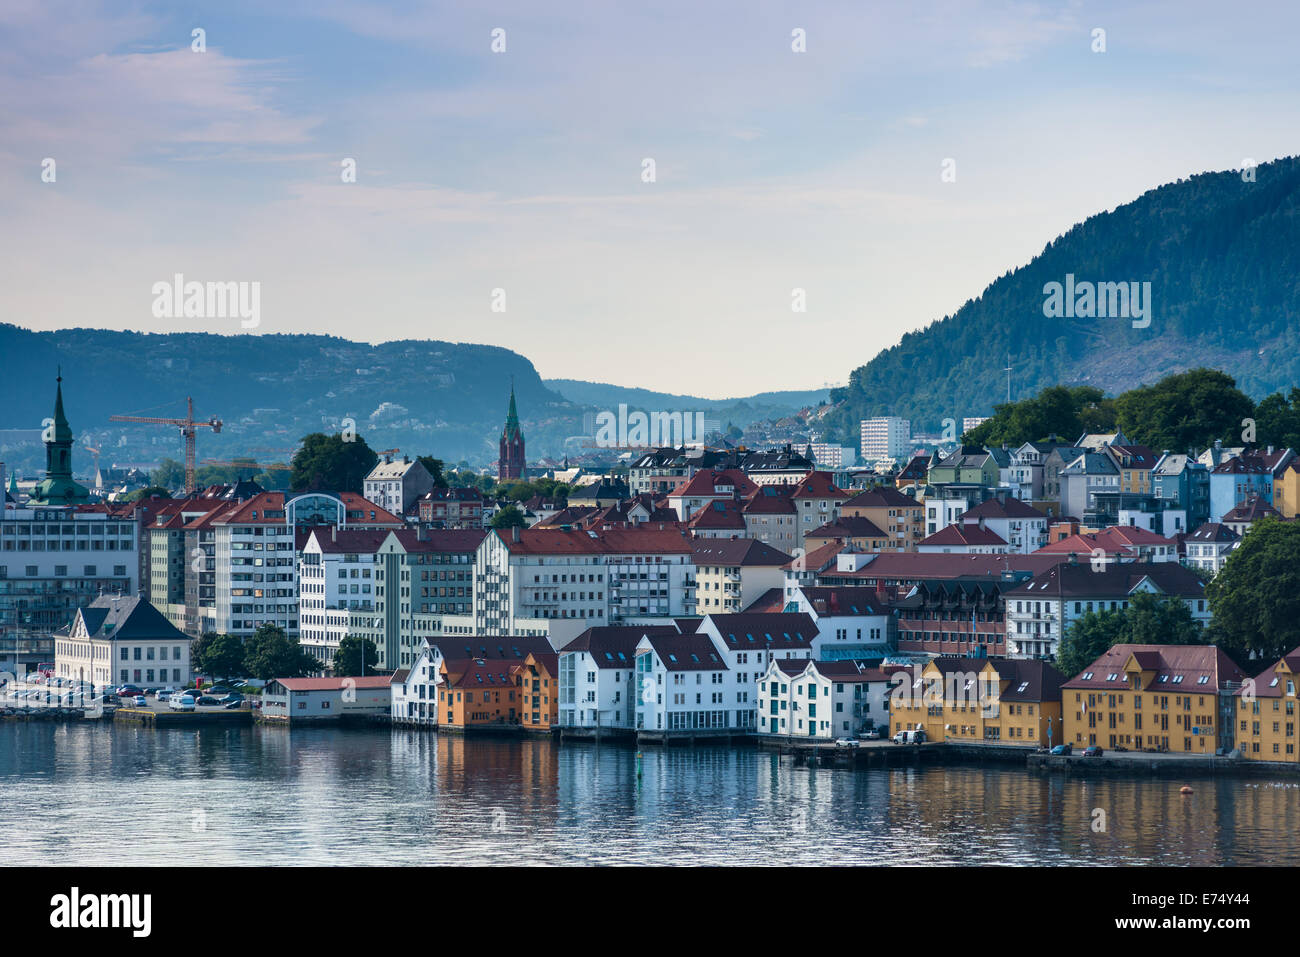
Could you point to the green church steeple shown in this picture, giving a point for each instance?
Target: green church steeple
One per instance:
(58, 488)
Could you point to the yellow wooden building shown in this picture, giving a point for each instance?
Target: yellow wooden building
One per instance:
(1152, 697)
(979, 700)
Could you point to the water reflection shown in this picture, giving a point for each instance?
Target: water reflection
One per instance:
(94, 793)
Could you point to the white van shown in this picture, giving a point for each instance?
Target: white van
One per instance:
(910, 737)
(181, 702)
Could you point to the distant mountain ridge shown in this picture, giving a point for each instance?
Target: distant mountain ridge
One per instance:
(425, 397)
(764, 405)
(1221, 255)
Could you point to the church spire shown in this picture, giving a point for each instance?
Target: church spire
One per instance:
(512, 416)
(58, 488)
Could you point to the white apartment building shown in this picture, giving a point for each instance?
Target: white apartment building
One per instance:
(1020, 525)
(683, 685)
(822, 699)
(1040, 610)
(1210, 545)
(748, 643)
(850, 622)
(886, 437)
(597, 672)
(255, 559)
(581, 578)
(833, 456)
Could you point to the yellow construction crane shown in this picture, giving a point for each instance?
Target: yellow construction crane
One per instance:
(188, 426)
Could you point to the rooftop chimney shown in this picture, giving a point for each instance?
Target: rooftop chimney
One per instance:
(334, 533)
(514, 533)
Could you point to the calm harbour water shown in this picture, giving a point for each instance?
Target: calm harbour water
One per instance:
(98, 794)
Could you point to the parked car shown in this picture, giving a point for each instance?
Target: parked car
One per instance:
(1063, 749)
(207, 700)
(872, 735)
(232, 705)
(846, 742)
(162, 694)
(181, 702)
(1092, 751)
(233, 698)
(218, 690)
(141, 701)
(129, 691)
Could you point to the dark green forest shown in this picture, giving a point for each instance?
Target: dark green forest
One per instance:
(1222, 256)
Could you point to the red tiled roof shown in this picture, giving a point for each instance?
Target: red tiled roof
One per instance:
(706, 482)
(818, 485)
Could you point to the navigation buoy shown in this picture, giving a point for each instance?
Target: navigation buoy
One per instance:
(1185, 789)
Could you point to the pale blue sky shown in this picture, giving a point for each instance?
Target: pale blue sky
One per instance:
(522, 170)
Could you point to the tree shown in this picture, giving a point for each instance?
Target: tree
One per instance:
(332, 463)
(1087, 639)
(1277, 420)
(169, 474)
(1147, 620)
(509, 517)
(1185, 410)
(270, 653)
(218, 655)
(1058, 410)
(348, 660)
(434, 468)
(150, 492)
(1255, 598)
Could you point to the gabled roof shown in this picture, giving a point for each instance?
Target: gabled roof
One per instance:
(1213, 532)
(967, 534)
(770, 602)
(388, 470)
(915, 566)
(1028, 680)
(491, 647)
(770, 500)
(1120, 539)
(127, 617)
(816, 560)
(1188, 663)
(614, 646)
(1002, 507)
(844, 601)
(1114, 580)
(740, 631)
(689, 652)
(713, 482)
(748, 552)
(720, 513)
(818, 485)
(1271, 683)
(883, 497)
(1251, 510)
(850, 527)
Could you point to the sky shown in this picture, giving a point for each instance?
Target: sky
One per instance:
(502, 196)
